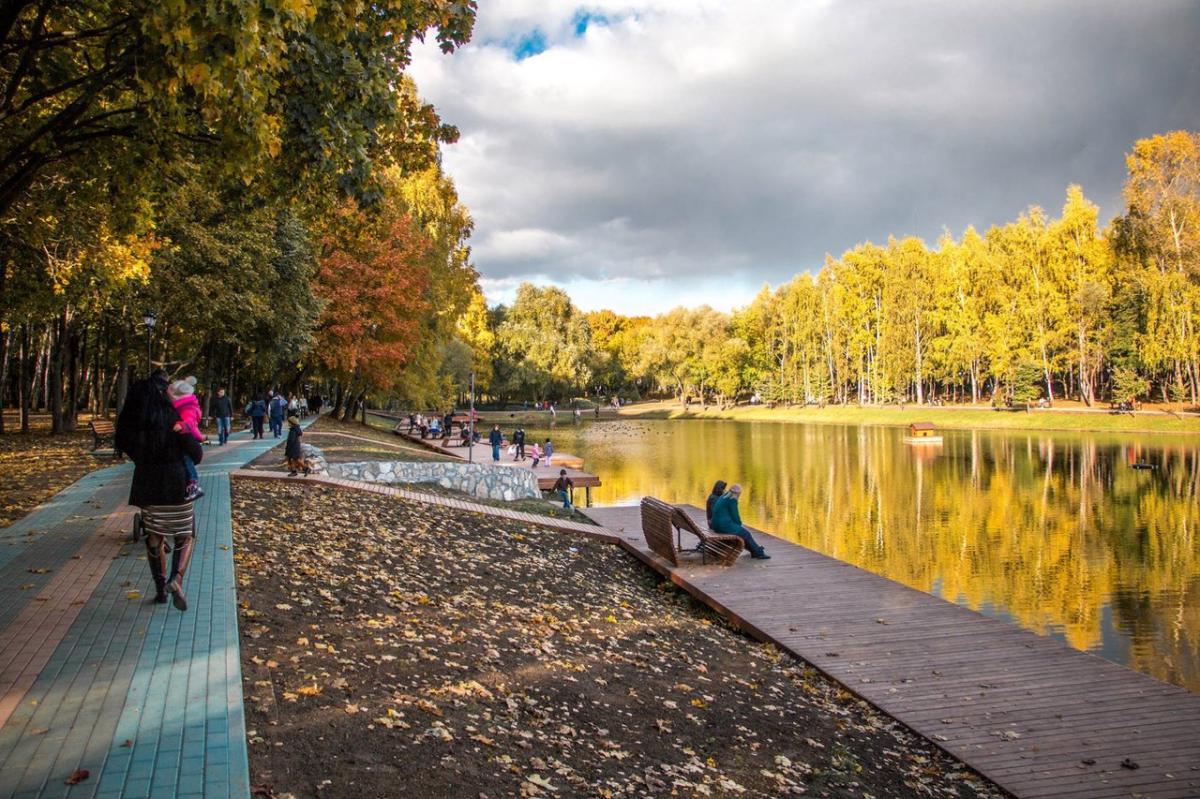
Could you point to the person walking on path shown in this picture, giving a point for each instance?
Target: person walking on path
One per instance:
(519, 442)
(495, 438)
(548, 452)
(277, 409)
(727, 521)
(256, 409)
(563, 486)
(292, 450)
(717, 490)
(150, 432)
(223, 411)
(536, 454)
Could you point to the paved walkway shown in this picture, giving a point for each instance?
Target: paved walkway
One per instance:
(94, 675)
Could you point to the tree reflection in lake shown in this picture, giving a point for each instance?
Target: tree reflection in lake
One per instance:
(1057, 532)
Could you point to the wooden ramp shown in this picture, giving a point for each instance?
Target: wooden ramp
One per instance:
(1038, 718)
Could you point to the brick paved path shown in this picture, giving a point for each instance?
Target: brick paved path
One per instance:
(95, 676)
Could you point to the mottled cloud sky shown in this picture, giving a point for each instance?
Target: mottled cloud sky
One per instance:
(649, 154)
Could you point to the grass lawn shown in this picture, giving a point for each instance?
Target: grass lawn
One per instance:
(958, 417)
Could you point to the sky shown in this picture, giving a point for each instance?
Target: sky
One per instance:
(649, 154)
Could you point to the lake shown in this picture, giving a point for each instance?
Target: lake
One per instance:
(1055, 532)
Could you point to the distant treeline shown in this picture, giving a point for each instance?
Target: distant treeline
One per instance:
(1040, 307)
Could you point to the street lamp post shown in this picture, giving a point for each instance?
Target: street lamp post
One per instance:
(148, 319)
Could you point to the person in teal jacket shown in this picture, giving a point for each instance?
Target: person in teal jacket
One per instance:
(727, 521)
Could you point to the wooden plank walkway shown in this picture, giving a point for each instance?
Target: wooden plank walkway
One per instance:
(1035, 716)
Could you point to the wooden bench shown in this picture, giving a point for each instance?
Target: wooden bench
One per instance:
(102, 429)
(663, 526)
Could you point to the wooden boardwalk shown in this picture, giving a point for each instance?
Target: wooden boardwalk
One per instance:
(1038, 718)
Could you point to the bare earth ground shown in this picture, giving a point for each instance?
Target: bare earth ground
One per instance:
(397, 649)
(36, 466)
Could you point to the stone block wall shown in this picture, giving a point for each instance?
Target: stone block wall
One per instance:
(487, 482)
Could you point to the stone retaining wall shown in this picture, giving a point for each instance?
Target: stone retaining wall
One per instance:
(487, 482)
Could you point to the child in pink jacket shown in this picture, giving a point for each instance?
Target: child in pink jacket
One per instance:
(183, 397)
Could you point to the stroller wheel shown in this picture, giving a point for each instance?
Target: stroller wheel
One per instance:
(137, 527)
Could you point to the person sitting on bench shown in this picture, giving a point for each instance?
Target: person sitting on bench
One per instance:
(717, 490)
(727, 521)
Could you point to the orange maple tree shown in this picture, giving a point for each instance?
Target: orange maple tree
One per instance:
(373, 280)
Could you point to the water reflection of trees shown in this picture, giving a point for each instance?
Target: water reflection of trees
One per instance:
(1051, 529)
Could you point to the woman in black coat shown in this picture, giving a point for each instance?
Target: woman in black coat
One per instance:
(150, 433)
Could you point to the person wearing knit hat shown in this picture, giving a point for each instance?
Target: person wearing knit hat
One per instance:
(293, 452)
(727, 521)
(183, 397)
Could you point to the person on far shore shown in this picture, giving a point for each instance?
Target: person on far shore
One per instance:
(223, 411)
(495, 438)
(548, 452)
(717, 490)
(563, 486)
(257, 410)
(727, 521)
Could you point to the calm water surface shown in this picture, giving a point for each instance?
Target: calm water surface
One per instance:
(1055, 532)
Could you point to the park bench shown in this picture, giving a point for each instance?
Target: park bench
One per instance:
(664, 525)
(102, 430)
(1015, 407)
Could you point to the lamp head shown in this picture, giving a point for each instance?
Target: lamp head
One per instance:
(148, 319)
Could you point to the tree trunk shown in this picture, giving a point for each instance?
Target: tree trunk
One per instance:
(24, 384)
(5, 348)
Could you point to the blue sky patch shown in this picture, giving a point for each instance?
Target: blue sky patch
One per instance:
(529, 45)
(584, 18)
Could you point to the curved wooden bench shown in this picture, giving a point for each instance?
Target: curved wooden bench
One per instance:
(102, 429)
(663, 525)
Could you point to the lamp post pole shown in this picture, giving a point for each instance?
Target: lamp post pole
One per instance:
(148, 318)
(471, 423)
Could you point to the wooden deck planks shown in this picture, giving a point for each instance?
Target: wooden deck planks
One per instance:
(1025, 710)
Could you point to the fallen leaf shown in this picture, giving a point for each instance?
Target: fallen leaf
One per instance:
(78, 776)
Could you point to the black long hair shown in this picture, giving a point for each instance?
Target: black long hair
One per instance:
(144, 426)
(719, 487)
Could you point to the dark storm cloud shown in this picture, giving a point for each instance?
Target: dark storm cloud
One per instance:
(704, 138)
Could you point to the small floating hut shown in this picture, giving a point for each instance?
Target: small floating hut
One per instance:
(922, 433)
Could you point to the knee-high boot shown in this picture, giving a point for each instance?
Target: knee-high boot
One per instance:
(158, 562)
(179, 563)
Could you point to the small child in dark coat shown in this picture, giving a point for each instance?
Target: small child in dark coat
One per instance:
(292, 451)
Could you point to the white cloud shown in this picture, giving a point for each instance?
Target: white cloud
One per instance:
(676, 143)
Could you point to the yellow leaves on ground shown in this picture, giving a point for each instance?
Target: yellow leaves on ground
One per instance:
(472, 661)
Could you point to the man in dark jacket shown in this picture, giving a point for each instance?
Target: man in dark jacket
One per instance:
(518, 440)
(223, 411)
(256, 410)
(277, 408)
(495, 438)
(727, 521)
